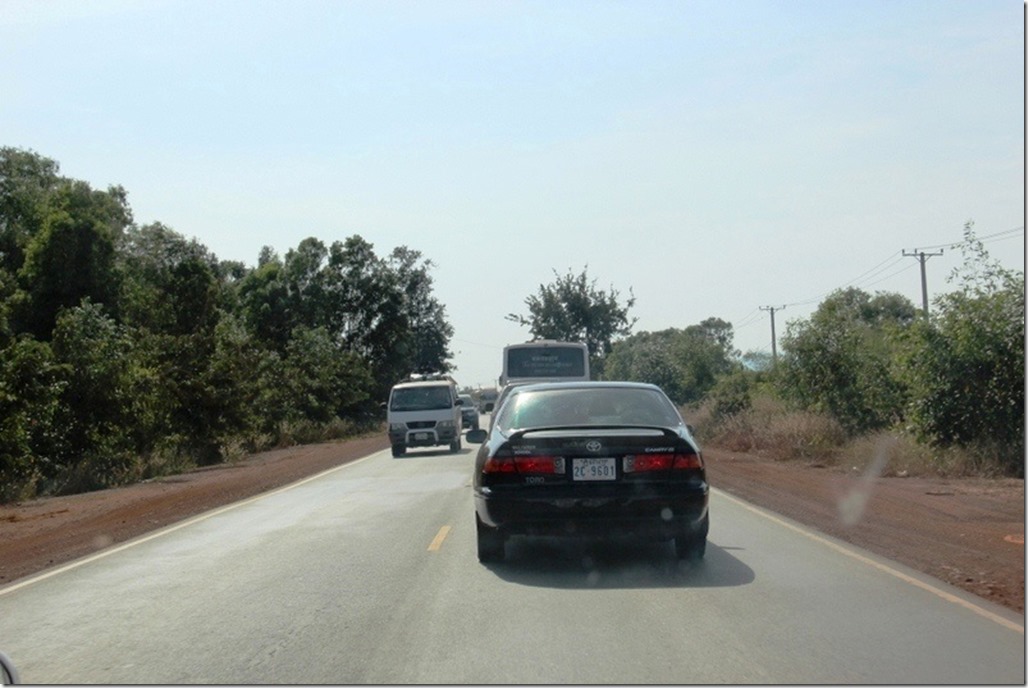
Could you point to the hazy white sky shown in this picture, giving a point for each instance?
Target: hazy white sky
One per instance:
(713, 156)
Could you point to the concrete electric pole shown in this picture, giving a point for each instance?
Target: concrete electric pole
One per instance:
(774, 343)
(923, 257)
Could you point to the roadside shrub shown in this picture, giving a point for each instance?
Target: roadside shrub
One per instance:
(32, 441)
(731, 394)
(966, 370)
(770, 427)
(104, 466)
(839, 361)
(291, 433)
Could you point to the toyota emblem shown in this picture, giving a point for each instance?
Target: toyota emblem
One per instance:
(593, 446)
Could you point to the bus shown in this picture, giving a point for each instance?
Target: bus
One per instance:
(545, 360)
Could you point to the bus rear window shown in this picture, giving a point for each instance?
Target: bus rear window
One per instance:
(543, 363)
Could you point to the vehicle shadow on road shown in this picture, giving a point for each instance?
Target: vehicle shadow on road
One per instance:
(432, 453)
(568, 564)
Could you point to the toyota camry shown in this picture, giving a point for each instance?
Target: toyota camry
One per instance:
(589, 459)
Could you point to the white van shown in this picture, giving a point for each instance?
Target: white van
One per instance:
(424, 413)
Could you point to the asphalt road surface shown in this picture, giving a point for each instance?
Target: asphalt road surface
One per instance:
(368, 574)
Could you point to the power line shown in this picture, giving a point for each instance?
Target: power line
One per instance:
(875, 272)
(750, 317)
(891, 275)
(997, 236)
(881, 267)
(895, 258)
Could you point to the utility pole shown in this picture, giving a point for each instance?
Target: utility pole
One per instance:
(922, 257)
(774, 344)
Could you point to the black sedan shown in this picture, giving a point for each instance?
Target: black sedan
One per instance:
(589, 459)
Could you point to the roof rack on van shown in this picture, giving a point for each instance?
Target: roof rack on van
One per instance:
(428, 377)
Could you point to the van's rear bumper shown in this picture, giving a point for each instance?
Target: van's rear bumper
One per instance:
(428, 437)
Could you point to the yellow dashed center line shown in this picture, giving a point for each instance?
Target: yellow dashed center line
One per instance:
(438, 541)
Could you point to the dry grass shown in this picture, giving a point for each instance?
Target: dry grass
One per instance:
(769, 428)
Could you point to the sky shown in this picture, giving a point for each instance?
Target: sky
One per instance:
(710, 158)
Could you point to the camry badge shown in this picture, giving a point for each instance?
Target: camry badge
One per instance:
(593, 446)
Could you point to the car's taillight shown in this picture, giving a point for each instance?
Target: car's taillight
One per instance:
(648, 462)
(641, 463)
(688, 461)
(540, 464)
(525, 465)
(503, 464)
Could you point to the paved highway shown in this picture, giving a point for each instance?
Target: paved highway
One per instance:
(368, 574)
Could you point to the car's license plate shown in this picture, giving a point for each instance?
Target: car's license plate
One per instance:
(594, 469)
(421, 435)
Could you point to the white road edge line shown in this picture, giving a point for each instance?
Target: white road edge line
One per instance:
(949, 597)
(172, 528)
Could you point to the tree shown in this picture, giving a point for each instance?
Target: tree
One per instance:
(966, 367)
(686, 364)
(303, 273)
(840, 360)
(33, 444)
(320, 380)
(26, 182)
(430, 332)
(154, 263)
(368, 311)
(98, 400)
(72, 257)
(264, 304)
(572, 309)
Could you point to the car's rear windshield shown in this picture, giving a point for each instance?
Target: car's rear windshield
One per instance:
(426, 398)
(599, 406)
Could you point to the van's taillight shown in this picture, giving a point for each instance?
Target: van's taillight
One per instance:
(525, 465)
(642, 463)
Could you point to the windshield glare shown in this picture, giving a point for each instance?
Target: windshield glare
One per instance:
(606, 406)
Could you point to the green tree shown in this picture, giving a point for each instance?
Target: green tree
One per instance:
(430, 332)
(686, 364)
(320, 379)
(72, 256)
(368, 313)
(303, 273)
(26, 182)
(840, 361)
(264, 303)
(966, 367)
(153, 264)
(33, 445)
(572, 309)
(235, 375)
(98, 399)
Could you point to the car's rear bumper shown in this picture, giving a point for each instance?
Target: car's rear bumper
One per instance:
(661, 516)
